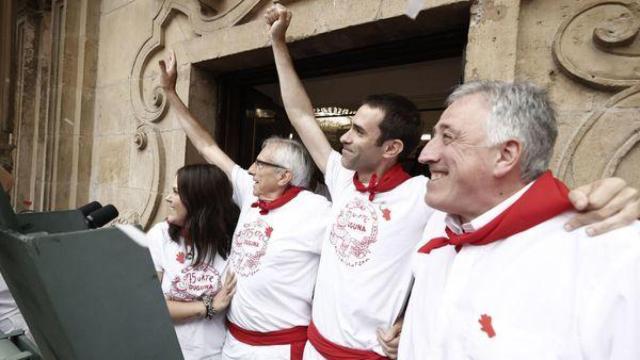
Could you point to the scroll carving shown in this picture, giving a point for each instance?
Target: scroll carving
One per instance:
(150, 174)
(205, 16)
(618, 151)
(600, 46)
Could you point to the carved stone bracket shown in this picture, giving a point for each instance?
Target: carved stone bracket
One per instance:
(205, 16)
(599, 45)
(149, 175)
(619, 120)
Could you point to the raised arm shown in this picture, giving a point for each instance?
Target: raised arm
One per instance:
(198, 134)
(295, 98)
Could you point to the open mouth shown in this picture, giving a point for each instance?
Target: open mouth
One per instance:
(437, 175)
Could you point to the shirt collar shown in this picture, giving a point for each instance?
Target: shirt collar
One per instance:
(453, 221)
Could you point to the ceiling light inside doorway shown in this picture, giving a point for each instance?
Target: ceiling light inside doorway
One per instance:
(333, 118)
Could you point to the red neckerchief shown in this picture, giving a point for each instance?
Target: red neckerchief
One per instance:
(287, 195)
(546, 198)
(392, 178)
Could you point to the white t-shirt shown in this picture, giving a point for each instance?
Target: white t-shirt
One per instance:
(8, 305)
(198, 338)
(365, 275)
(275, 257)
(10, 317)
(546, 294)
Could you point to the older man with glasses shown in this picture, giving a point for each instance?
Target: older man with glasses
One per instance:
(276, 249)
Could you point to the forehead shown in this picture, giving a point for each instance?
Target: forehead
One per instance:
(267, 152)
(368, 118)
(469, 112)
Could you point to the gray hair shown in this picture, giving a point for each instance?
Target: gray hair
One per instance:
(292, 155)
(522, 111)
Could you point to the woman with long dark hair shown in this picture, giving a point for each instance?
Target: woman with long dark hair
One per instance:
(190, 253)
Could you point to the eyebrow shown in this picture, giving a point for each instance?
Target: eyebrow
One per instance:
(442, 127)
(358, 128)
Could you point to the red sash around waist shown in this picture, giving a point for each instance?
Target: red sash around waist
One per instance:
(296, 337)
(338, 352)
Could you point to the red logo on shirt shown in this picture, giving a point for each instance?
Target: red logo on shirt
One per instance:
(485, 325)
(353, 232)
(386, 213)
(249, 246)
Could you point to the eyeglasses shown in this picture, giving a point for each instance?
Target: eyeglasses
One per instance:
(261, 164)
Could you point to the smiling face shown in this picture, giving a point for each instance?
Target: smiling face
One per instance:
(360, 148)
(177, 210)
(268, 176)
(460, 162)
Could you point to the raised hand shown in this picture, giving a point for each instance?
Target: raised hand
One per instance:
(168, 72)
(278, 18)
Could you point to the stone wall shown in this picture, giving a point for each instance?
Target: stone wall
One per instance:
(55, 55)
(586, 53)
(133, 178)
(92, 123)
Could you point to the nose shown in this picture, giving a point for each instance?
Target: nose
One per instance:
(346, 137)
(168, 198)
(252, 169)
(429, 153)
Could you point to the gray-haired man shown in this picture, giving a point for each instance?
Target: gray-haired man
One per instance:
(276, 244)
(498, 277)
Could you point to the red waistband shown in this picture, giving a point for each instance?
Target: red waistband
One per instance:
(295, 336)
(338, 352)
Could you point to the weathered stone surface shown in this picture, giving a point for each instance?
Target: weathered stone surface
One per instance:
(584, 53)
(493, 38)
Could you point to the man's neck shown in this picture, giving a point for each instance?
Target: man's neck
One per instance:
(496, 195)
(365, 175)
(272, 195)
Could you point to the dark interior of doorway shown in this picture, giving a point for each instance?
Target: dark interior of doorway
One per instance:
(248, 115)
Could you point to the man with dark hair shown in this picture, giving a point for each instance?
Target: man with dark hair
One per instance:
(401, 120)
(378, 217)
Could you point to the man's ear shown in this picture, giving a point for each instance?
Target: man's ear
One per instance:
(507, 157)
(285, 177)
(392, 148)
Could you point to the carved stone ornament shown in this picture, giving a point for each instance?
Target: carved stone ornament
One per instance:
(150, 175)
(600, 45)
(618, 152)
(140, 139)
(205, 16)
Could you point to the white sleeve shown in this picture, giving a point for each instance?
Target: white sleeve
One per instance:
(610, 327)
(242, 184)
(156, 244)
(320, 221)
(337, 177)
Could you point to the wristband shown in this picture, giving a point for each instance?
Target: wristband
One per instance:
(210, 311)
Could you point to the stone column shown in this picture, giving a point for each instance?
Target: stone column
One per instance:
(7, 23)
(56, 52)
